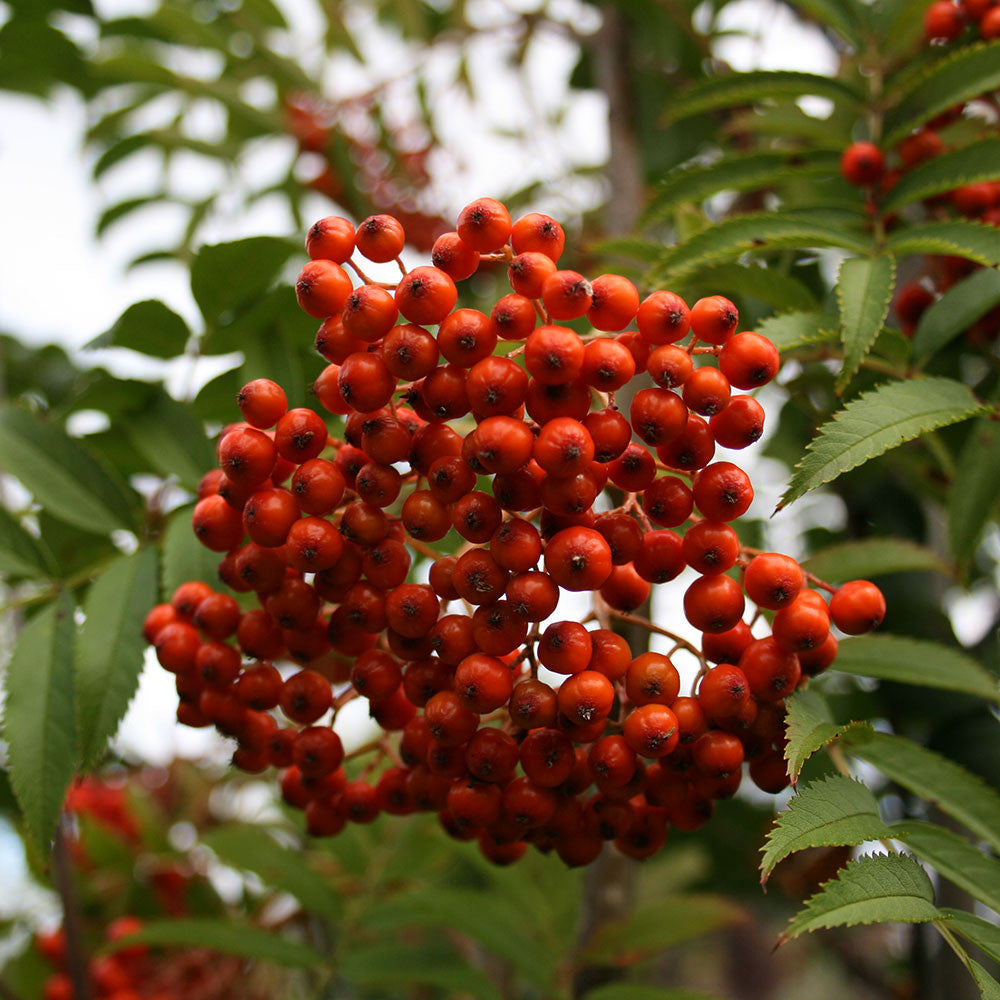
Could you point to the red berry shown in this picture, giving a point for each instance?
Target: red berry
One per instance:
(857, 607)
(862, 163)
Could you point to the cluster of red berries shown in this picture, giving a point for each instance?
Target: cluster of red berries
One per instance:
(514, 733)
(133, 972)
(393, 180)
(865, 165)
(945, 21)
(107, 803)
(122, 976)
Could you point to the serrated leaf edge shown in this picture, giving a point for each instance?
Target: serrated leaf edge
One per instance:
(846, 374)
(784, 501)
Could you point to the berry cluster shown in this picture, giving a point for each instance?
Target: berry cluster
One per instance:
(392, 177)
(121, 976)
(106, 803)
(945, 21)
(133, 972)
(503, 429)
(864, 165)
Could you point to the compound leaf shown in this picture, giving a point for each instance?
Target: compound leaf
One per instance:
(226, 277)
(62, 475)
(984, 934)
(253, 848)
(660, 925)
(20, 553)
(872, 557)
(959, 237)
(695, 182)
(972, 496)
(637, 991)
(883, 888)
(876, 421)
(915, 661)
(979, 161)
(833, 811)
(792, 330)
(956, 791)
(39, 724)
(808, 727)
(762, 231)
(739, 89)
(953, 857)
(150, 327)
(109, 650)
(970, 71)
(956, 310)
(864, 291)
(383, 966)
(184, 557)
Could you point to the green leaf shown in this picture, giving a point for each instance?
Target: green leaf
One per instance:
(696, 182)
(73, 552)
(872, 557)
(956, 791)
(150, 327)
(972, 496)
(489, 918)
(864, 291)
(915, 661)
(649, 929)
(62, 475)
(970, 71)
(216, 400)
(738, 89)
(954, 858)
(762, 231)
(809, 727)
(971, 164)
(898, 24)
(883, 888)
(833, 811)
(20, 553)
(120, 150)
(766, 284)
(876, 421)
(843, 16)
(109, 650)
(989, 988)
(225, 277)
(39, 724)
(227, 936)
(123, 209)
(637, 991)
(984, 934)
(275, 351)
(383, 966)
(956, 310)
(792, 330)
(172, 439)
(253, 849)
(632, 247)
(959, 237)
(184, 557)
